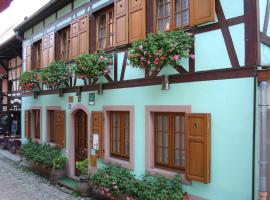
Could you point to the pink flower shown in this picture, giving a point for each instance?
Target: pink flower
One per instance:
(142, 58)
(162, 58)
(144, 53)
(110, 69)
(170, 50)
(106, 189)
(189, 34)
(102, 193)
(192, 56)
(130, 56)
(141, 47)
(141, 63)
(148, 62)
(158, 69)
(127, 198)
(156, 62)
(175, 57)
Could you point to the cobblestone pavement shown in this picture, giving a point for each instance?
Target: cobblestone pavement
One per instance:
(17, 183)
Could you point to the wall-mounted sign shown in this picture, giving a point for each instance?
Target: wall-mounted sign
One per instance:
(91, 99)
(96, 141)
(69, 106)
(15, 101)
(70, 99)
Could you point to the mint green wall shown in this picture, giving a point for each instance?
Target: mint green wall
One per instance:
(232, 8)
(63, 11)
(78, 3)
(230, 103)
(50, 19)
(37, 28)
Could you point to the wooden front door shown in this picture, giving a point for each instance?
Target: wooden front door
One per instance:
(80, 136)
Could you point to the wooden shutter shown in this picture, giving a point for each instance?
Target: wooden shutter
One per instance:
(74, 39)
(51, 48)
(45, 51)
(201, 11)
(57, 46)
(97, 128)
(60, 128)
(27, 124)
(137, 20)
(28, 58)
(198, 147)
(84, 34)
(79, 42)
(121, 22)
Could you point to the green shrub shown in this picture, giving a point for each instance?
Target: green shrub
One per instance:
(114, 180)
(82, 166)
(59, 162)
(40, 154)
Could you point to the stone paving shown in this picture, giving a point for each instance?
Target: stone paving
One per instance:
(18, 183)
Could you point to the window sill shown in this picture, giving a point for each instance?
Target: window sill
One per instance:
(169, 174)
(122, 163)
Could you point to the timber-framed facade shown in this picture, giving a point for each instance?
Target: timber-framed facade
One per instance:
(216, 92)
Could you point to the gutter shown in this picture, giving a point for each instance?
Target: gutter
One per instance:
(263, 162)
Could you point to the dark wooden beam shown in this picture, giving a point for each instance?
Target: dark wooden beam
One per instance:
(4, 65)
(123, 71)
(192, 61)
(265, 39)
(115, 66)
(227, 35)
(229, 73)
(266, 17)
(252, 32)
(181, 69)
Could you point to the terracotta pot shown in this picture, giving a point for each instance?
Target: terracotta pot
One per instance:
(84, 187)
(56, 174)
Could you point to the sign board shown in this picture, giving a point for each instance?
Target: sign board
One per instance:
(91, 99)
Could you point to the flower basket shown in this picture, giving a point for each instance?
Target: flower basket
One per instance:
(159, 50)
(55, 74)
(90, 67)
(29, 80)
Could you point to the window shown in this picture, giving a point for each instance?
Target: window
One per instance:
(172, 14)
(119, 135)
(51, 119)
(64, 46)
(37, 61)
(169, 140)
(105, 33)
(36, 123)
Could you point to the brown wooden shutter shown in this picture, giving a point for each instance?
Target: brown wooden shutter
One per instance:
(60, 128)
(198, 145)
(45, 51)
(121, 22)
(97, 128)
(74, 39)
(57, 46)
(79, 43)
(84, 34)
(201, 11)
(137, 20)
(51, 48)
(28, 58)
(27, 124)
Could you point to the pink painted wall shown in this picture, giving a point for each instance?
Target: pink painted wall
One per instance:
(268, 147)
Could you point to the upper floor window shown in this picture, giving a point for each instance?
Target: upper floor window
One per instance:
(105, 33)
(37, 60)
(119, 134)
(64, 44)
(171, 14)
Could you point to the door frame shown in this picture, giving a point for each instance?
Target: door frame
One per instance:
(71, 143)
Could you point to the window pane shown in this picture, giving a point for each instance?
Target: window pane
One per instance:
(177, 5)
(185, 18)
(184, 4)
(167, 23)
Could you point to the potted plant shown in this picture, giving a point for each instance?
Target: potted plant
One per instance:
(159, 50)
(84, 188)
(90, 67)
(29, 80)
(58, 171)
(55, 74)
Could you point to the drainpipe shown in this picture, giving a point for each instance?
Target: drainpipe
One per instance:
(263, 142)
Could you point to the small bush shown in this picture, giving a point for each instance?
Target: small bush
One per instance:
(82, 166)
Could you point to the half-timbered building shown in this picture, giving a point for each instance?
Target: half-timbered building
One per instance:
(204, 126)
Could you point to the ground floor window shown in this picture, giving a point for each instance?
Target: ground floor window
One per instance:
(36, 123)
(119, 134)
(169, 137)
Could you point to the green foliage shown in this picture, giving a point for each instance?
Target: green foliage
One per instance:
(59, 162)
(92, 66)
(55, 74)
(28, 80)
(40, 154)
(82, 166)
(114, 180)
(159, 50)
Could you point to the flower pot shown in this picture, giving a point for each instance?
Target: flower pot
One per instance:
(56, 174)
(84, 187)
